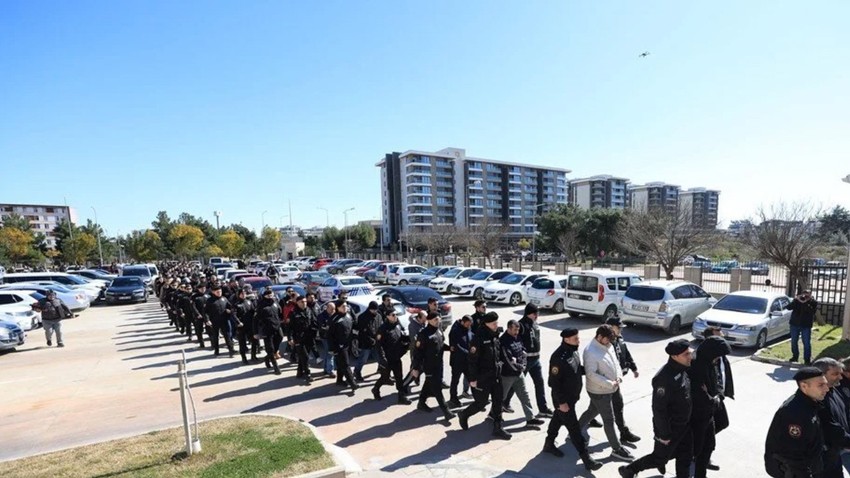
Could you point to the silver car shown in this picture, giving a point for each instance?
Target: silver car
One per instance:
(664, 304)
(748, 318)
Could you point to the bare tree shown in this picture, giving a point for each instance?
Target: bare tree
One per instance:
(662, 236)
(785, 233)
(441, 239)
(487, 237)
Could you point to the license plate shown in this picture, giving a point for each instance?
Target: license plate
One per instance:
(489, 297)
(535, 301)
(124, 298)
(642, 308)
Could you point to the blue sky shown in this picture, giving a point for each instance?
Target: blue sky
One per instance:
(138, 106)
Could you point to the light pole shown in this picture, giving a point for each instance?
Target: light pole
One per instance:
(97, 231)
(327, 217)
(845, 332)
(345, 213)
(263, 220)
(281, 220)
(217, 215)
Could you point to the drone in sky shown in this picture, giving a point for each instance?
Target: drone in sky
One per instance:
(644, 54)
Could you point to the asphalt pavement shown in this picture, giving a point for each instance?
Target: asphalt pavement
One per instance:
(116, 377)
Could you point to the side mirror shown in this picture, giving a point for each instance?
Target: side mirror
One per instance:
(776, 314)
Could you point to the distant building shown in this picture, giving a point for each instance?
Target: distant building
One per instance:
(423, 190)
(738, 227)
(42, 218)
(701, 203)
(655, 196)
(602, 191)
(315, 231)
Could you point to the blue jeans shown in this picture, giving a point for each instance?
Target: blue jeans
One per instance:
(364, 356)
(327, 358)
(806, 332)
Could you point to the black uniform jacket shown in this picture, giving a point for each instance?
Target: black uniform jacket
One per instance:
(428, 351)
(795, 438)
(393, 340)
(565, 371)
(459, 340)
(485, 358)
(671, 400)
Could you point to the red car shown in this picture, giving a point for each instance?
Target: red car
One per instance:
(367, 267)
(321, 263)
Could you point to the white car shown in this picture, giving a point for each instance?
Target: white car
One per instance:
(598, 292)
(288, 274)
(16, 306)
(354, 285)
(548, 293)
(382, 270)
(748, 318)
(442, 284)
(400, 275)
(513, 289)
(664, 304)
(93, 287)
(359, 303)
(76, 300)
(473, 286)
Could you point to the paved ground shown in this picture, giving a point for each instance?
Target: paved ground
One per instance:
(116, 377)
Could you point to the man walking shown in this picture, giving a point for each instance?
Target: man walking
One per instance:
(833, 418)
(245, 309)
(671, 413)
(199, 311)
(267, 320)
(627, 363)
(428, 359)
(530, 334)
(604, 376)
(365, 333)
(565, 371)
(302, 336)
(393, 343)
(53, 311)
(707, 398)
(323, 321)
(803, 309)
(514, 360)
(485, 376)
(460, 338)
(218, 311)
(339, 337)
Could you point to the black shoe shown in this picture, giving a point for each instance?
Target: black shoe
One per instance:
(500, 433)
(354, 387)
(448, 415)
(244, 361)
(589, 463)
(277, 371)
(622, 454)
(507, 409)
(423, 407)
(463, 419)
(465, 395)
(549, 447)
(60, 344)
(534, 422)
(49, 343)
(454, 403)
(625, 472)
(445, 386)
(308, 379)
(594, 424)
(793, 359)
(359, 378)
(268, 363)
(402, 400)
(545, 413)
(627, 436)
(711, 466)
(376, 393)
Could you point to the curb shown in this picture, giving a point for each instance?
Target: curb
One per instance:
(773, 361)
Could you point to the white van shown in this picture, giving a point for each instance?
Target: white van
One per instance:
(597, 292)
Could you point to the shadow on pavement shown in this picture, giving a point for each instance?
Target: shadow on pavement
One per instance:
(309, 393)
(413, 420)
(358, 410)
(161, 344)
(782, 374)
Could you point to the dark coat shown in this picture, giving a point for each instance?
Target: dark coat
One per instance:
(671, 400)
(428, 351)
(303, 327)
(366, 329)
(485, 358)
(52, 309)
(795, 438)
(339, 334)
(704, 374)
(459, 340)
(514, 357)
(565, 371)
(393, 341)
(218, 310)
(529, 333)
(267, 318)
(802, 313)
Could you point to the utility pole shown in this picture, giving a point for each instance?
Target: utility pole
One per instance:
(217, 215)
(263, 220)
(97, 231)
(345, 213)
(291, 233)
(327, 217)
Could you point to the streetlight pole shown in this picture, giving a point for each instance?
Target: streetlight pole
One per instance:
(97, 231)
(281, 220)
(327, 217)
(345, 213)
(217, 215)
(263, 220)
(845, 323)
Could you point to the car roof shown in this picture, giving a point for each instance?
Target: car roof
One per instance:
(759, 293)
(662, 283)
(553, 277)
(365, 299)
(604, 273)
(349, 277)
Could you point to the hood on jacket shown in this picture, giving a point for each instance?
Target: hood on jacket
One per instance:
(711, 348)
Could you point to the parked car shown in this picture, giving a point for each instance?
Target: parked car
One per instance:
(597, 293)
(16, 306)
(312, 280)
(696, 260)
(415, 298)
(443, 284)
(95, 274)
(381, 270)
(431, 273)
(126, 290)
(11, 335)
(94, 287)
(473, 286)
(76, 300)
(756, 268)
(663, 304)
(288, 274)
(354, 285)
(400, 275)
(747, 318)
(257, 283)
(143, 273)
(548, 293)
(280, 290)
(359, 304)
(512, 289)
(343, 264)
(724, 267)
(363, 268)
(92, 295)
(321, 262)
(228, 273)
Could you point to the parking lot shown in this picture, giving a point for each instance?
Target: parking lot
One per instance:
(117, 377)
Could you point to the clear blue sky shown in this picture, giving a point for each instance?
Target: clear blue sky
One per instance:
(138, 106)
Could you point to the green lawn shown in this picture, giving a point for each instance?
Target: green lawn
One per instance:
(253, 446)
(826, 342)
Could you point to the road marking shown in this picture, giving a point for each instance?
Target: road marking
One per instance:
(21, 380)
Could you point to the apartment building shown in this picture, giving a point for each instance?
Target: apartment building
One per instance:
(701, 203)
(421, 191)
(602, 191)
(654, 196)
(42, 218)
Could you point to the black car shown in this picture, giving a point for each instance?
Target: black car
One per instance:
(415, 298)
(126, 289)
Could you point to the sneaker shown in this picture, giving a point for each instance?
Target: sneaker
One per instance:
(330, 375)
(589, 463)
(402, 400)
(60, 344)
(594, 424)
(465, 395)
(711, 466)
(454, 403)
(545, 413)
(793, 359)
(622, 454)
(627, 436)
(550, 448)
(534, 422)
(500, 433)
(507, 409)
(423, 407)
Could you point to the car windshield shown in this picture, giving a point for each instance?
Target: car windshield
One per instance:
(644, 293)
(483, 275)
(742, 303)
(259, 283)
(126, 282)
(353, 281)
(419, 294)
(543, 284)
(513, 279)
(452, 273)
(136, 271)
(431, 272)
(36, 295)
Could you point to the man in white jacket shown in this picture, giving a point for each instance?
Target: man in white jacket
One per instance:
(603, 376)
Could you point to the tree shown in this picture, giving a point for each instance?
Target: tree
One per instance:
(250, 237)
(143, 246)
(835, 225)
(599, 231)
(231, 243)
(15, 244)
(785, 233)
(17, 221)
(362, 236)
(186, 240)
(562, 228)
(269, 240)
(524, 244)
(663, 237)
(441, 239)
(78, 249)
(487, 237)
(332, 238)
(213, 250)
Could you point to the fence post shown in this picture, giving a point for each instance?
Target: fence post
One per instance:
(516, 265)
(467, 261)
(734, 280)
(497, 262)
(560, 268)
(651, 271)
(586, 266)
(694, 274)
(746, 280)
(536, 266)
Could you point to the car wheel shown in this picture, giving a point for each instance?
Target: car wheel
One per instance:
(675, 325)
(574, 315)
(479, 293)
(516, 298)
(402, 282)
(761, 340)
(558, 308)
(610, 312)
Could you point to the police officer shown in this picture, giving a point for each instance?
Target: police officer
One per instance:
(339, 339)
(485, 375)
(186, 310)
(795, 440)
(460, 337)
(366, 331)
(428, 359)
(303, 330)
(671, 412)
(478, 316)
(565, 372)
(245, 309)
(199, 310)
(833, 418)
(267, 327)
(393, 342)
(218, 310)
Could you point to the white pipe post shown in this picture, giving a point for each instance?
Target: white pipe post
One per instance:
(184, 405)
